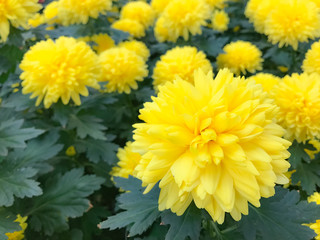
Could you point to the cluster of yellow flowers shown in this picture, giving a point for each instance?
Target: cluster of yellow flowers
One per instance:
(285, 22)
(135, 18)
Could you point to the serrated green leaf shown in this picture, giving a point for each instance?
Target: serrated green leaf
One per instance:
(141, 210)
(16, 182)
(181, 227)
(280, 217)
(12, 135)
(63, 197)
(298, 153)
(7, 223)
(308, 174)
(87, 125)
(212, 46)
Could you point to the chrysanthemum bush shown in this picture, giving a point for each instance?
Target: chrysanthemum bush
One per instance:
(182, 119)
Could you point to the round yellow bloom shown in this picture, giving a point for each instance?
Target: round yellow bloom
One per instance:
(37, 20)
(220, 21)
(159, 5)
(291, 22)
(138, 47)
(179, 62)
(160, 31)
(122, 69)
(18, 235)
(61, 69)
(311, 63)
(298, 97)
(75, 11)
(267, 80)
(139, 11)
(182, 17)
(315, 226)
(240, 57)
(314, 198)
(16, 12)
(128, 160)
(71, 151)
(134, 28)
(213, 142)
(103, 41)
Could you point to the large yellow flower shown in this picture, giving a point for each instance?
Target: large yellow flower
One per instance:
(139, 11)
(213, 142)
(240, 57)
(75, 11)
(133, 27)
(220, 20)
(181, 17)
(159, 5)
(128, 160)
(315, 226)
(122, 69)
(18, 235)
(291, 22)
(267, 80)
(298, 97)
(16, 12)
(61, 69)
(311, 63)
(138, 47)
(182, 62)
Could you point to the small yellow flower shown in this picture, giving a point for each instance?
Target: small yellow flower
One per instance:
(311, 62)
(283, 69)
(122, 68)
(71, 151)
(138, 11)
(138, 47)
(220, 21)
(18, 235)
(267, 80)
(37, 20)
(128, 160)
(298, 97)
(240, 57)
(103, 41)
(61, 69)
(133, 27)
(179, 62)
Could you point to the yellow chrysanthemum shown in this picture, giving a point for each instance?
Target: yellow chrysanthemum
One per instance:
(122, 69)
(103, 41)
(267, 80)
(213, 142)
(159, 5)
(291, 22)
(311, 63)
(160, 31)
(216, 3)
(220, 21)
(75, 11)
(37, 20)
(298, 97)
(316, 144)
(50, 13)
(71, 151)
(181, 62)
(138, 47)
(315, 226)
(240, 57)
(16, 12)
(135, 28)
(182, 17)
(139, 11)
(18, 235)
(62, 69)
(128, 160)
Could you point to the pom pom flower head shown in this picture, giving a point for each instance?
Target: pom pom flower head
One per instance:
(311, 63)
(267, 80)
(16, 12)
(122, 68)
(213, 142)
(62, 69)
(240, 57)
(182, 62)
(220, 21)
(181, 17)
(133, 27)
(298, 97)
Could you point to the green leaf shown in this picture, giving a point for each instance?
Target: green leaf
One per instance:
(13, 136)
(140, 210)
(280, 217)
(7, 223)
(16, 181)
(212, 46)
(308, 174)
(298, 153)
(189, 224)
(87, 125)
(64, 196)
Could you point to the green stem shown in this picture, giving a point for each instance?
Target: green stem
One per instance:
(217, 230)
